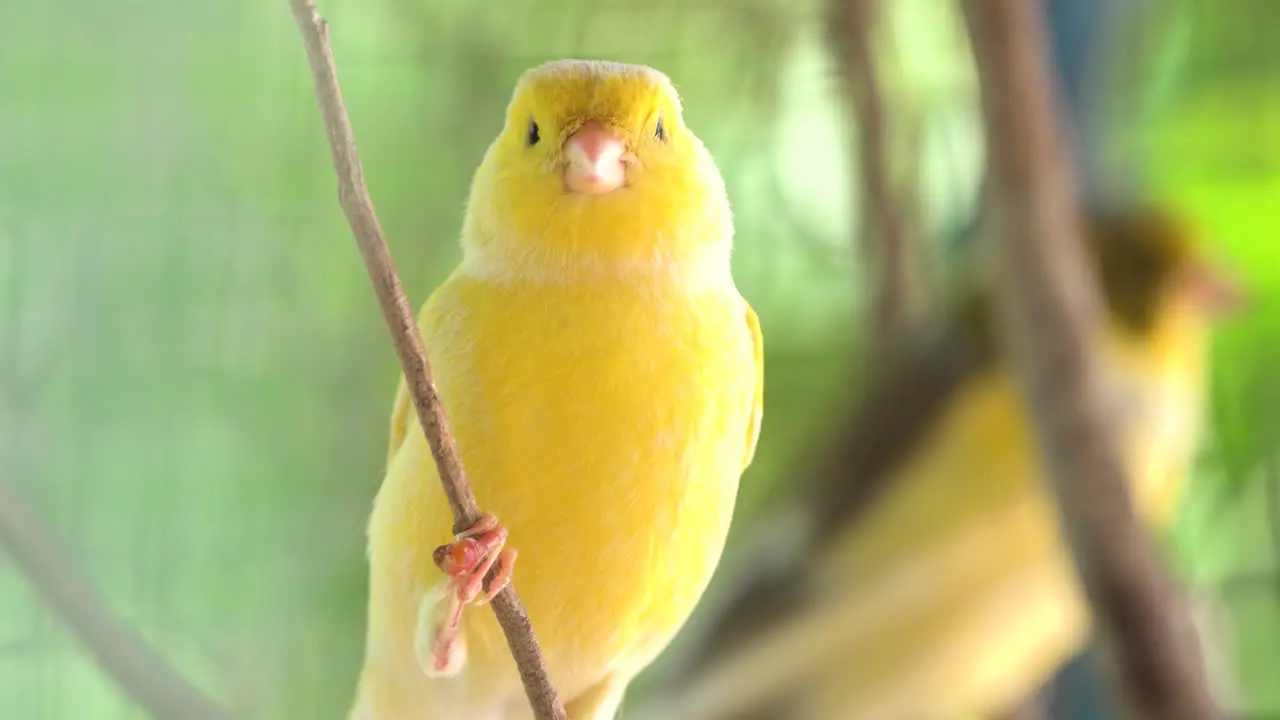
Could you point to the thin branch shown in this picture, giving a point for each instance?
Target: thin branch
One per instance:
(121, 653)
(399, 316)
(887, 250)
(919, 266)
(1051, 314)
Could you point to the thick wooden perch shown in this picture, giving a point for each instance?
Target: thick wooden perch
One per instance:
(399, 315)
(1050, 312)
(121, 652)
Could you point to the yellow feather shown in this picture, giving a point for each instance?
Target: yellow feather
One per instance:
(604, 381)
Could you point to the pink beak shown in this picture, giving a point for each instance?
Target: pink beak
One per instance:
(596, 161)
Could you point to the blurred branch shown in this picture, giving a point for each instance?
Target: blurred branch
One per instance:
(911, 208)
(399, 316)
(1086, 48)
(887, 250)
(122, 653)
(1051, 312)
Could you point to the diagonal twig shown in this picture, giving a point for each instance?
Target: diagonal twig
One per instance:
(399, 316)
(1050, 313)
(120, 652)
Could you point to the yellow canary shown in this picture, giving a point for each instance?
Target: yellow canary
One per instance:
(931, 581)
(603, 377)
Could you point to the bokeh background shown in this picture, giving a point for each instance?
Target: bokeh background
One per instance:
(195, 379)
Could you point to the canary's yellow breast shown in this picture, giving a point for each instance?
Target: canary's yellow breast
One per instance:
(606, 423)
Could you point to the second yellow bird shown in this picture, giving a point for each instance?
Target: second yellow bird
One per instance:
(604, 380)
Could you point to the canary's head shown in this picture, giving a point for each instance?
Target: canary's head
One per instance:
(1153, 267)
(594, 172)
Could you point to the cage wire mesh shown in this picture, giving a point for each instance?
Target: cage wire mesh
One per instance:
(195, 379)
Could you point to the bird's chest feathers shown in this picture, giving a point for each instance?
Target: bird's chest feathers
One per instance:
(611, 411)
(592, 377)
(606, 430)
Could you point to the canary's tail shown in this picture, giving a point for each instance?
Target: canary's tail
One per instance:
(438, 642)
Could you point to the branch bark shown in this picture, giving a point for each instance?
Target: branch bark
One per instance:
(1050, 313)
(887, 250)
(399, 316)
(121, 653)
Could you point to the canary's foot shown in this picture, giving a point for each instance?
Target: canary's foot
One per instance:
(476, 551)
(439, 644)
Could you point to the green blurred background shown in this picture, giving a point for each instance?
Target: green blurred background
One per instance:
(195, 380)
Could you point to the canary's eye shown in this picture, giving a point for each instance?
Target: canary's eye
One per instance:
(532, 138)
(660, 132)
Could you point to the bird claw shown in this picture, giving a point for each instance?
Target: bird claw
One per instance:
(470, 558)
(506, 564)
(440, 645)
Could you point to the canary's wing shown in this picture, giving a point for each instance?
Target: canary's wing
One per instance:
(401, 411)
(757, 406)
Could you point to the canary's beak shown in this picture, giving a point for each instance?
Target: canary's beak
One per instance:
(1214, 289)
(596, 161)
